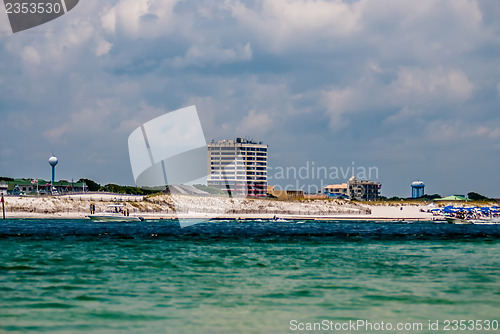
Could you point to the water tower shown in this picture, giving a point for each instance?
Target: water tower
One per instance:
(53, 162)
(417, 189)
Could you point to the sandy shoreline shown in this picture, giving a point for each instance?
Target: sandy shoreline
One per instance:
(166, 207)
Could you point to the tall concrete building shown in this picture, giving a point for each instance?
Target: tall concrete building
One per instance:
(238, 166)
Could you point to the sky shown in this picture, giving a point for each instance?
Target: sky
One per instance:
(410, 89)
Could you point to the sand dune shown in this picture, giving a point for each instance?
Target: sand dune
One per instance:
(171, 206)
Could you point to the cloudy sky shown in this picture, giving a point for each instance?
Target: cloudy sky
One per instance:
(409, 87)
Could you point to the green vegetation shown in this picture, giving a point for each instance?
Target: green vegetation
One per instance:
(477, 197)
(210, 190)
(115, 188)
(4, 178)
(428, 198)
(91, 185)
(425, 198)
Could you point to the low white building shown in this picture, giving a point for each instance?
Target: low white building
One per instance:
(336, 190)
(3, 188)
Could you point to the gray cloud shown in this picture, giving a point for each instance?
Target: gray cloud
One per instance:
(409, 87)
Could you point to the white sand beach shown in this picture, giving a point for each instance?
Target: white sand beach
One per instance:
(77, 206)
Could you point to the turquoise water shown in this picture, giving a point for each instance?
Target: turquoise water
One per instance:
(73, 276)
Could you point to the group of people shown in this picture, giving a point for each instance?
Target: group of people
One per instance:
(467, 212)
(473, 215)
(125, 211)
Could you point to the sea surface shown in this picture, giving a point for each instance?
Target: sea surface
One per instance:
(76, 276)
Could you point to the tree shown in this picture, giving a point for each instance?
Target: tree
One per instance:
(113, 188)
(117, 189)
(91, 185)
(428, 197)
(476, 197)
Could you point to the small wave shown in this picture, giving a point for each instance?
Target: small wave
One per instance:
(51, 305)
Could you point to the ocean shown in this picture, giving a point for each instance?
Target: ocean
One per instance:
(76, 276)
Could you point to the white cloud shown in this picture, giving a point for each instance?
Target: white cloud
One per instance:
(494, 133)
(55, 134)
(19, 121)
(412, 92)
(30, 56)
(140, 18)
(339, 102)
(201, 55)
(459, 132)
(254, 124)
(103, 47)
(54, 51)
(280, 23)
(425, 30)
(375, 66)
(418, 85)
(486, 131)
(108, 118)
(88, 121)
